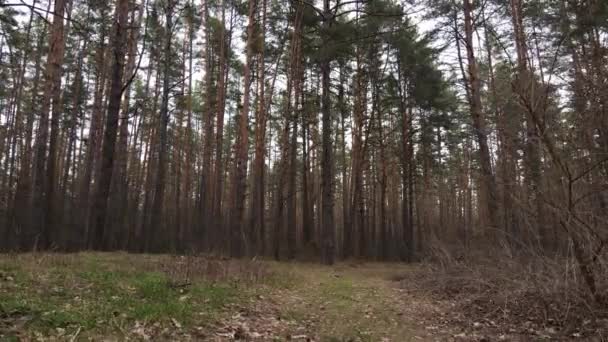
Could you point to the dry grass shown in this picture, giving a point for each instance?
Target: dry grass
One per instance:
(121, 296)
(164, 297)
(521, 299)
(45, 295)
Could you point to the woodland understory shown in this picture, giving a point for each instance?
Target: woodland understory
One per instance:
(463, 133)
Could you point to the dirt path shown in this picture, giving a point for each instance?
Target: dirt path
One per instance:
(356, 302)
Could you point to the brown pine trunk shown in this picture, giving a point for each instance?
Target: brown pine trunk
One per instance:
(74, 239)
(479, 123)
(24, 192)
(282, 217)
(291, 182)
(296, 79)
(238, 245)
(186, 232)
(346, 222)
(352, 246)
(382, 248)
(51, 96)
(307, 208)
(506, 155)
(116, 230)
(175, 218)
(218, 175)
(16, 141)
(524, 86)
(104, 179)
(53, 168)
(150, 168)
(327, 174)
(206, 189)
(157, 214)
(406, 162)
(94, 132)
(258, 204)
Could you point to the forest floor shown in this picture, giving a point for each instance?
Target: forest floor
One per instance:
(119, 296)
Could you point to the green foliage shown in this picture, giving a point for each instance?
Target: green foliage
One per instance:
(7, 18)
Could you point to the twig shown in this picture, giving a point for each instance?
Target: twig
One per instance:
(73, 338)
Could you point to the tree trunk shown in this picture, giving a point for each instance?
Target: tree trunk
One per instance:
(14, 203)
(52, 91)
(296, 79)
(94, 132)
(216, 201)
(116, 230)
(327, 196)
(524, 86)
(238, 246)
(257, 230)
(186, 233)
(98, 216)
(479, 123)
(24, 193)
(206, 187)
(157, 216)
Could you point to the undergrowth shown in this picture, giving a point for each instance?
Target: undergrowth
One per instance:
(515, 296)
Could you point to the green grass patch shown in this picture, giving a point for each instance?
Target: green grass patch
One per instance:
(102, 297)
(216, 296)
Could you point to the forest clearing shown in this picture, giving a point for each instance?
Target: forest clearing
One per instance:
(322, 170)
(120, 296)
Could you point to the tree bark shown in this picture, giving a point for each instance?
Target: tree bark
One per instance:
(258, 203)
(479, 123)
(157, 214)
(94, 132)
(98, 216)
(238, 247)
(327, 196)
(218, 181)
(43, 190)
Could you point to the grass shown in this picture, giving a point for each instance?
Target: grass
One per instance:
(343, 304)
(60, 295)
(121, 296)
(118, 296)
